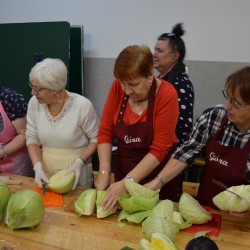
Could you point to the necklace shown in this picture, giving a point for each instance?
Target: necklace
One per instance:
(63, 102)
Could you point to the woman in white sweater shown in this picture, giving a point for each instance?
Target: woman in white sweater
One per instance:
(61, 126)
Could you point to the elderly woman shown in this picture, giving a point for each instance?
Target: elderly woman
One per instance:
(225, 131)
(62, 126)
(14, 157)
(169, 53)
(141, 111)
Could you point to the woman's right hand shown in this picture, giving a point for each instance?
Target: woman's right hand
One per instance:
(102, 181)
(39, 174)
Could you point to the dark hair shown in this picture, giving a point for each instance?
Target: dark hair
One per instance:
(134, 61)
(201, 243)
(240, 80)
(175, 41)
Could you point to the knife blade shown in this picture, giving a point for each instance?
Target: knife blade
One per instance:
(44, 188)
(225, 187)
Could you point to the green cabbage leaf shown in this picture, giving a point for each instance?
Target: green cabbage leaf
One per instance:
(132, 204)
(136, 189)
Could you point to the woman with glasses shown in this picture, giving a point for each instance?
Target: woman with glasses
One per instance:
(14, 157)
(141, 111)
(62, 126)
(225, 132)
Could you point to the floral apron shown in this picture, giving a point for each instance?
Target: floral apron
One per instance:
(18, 162)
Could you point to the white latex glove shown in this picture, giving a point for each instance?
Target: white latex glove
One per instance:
(39, 174)
(77, 168)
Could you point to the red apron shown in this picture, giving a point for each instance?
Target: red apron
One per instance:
(226, 164)
(133, 144)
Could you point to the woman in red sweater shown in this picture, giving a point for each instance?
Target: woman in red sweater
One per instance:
(141, 111)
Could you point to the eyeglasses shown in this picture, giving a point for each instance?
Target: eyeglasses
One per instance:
(233, 102)
(37, 90)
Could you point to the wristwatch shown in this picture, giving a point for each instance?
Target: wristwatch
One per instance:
(129, 177)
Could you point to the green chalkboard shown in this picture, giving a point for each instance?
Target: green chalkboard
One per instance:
(20, 44)
(76, 60)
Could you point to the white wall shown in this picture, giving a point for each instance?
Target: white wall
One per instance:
(217, 30)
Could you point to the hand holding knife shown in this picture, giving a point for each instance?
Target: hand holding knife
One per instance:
(44, 189)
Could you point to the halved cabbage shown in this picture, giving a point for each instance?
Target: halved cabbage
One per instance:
(158, 241)
(230, 202)
(136, 189)
(100, 212)
(179, 222)
(192, 211)
(132, 204)
(4, 198)
(85, 204)
(25, 209)
(163, 209)
(61, 183)
(159, 225)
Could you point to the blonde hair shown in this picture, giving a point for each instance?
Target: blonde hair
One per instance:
(50, 73)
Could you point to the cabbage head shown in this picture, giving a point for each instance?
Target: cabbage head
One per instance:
(230, 202)
(4, 198)
(192, 211)
(61, 183)
(153, 225)
(85, 204)
(158, 241)
(25, 209)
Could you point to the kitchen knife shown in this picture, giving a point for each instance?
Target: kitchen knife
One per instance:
(44, 188)
(225, 188)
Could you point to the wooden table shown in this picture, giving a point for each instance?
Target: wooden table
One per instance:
(65, 230)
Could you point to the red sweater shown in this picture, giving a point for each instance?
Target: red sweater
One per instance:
(166, 111)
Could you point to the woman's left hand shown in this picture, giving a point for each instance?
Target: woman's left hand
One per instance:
(154, 184)
(114, 191)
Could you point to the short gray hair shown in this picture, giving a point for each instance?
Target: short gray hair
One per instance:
(50, 73)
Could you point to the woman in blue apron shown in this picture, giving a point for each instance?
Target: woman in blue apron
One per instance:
(141, 111)
(225, 131)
